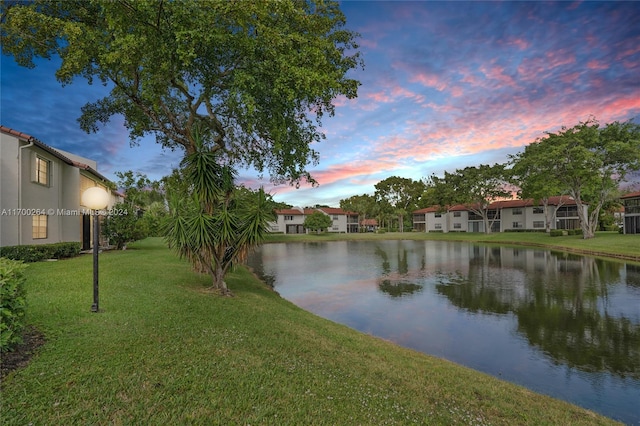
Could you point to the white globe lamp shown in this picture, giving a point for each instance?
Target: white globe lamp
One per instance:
(96, 199)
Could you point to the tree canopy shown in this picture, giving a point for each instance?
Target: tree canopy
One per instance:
(365, 205)
(531, 172)
(259, 76)
(588, 162)
(399, 196)
(317, 221)
(474, 187)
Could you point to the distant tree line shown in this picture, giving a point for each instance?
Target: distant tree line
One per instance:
(587, 163)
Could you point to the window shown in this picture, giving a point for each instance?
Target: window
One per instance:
(457, 214)
(517, 211)
(39, 228)
(335, 217)
(457, 226)
(438, 215)
(538, 210)
(516, 225)
(438, 226)
(538, 224)
(42, 167)
(288, 217)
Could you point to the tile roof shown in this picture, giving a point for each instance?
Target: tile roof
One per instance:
(289, 212)
(334, 210)
(631, 195)
(506, 204)
(51, 151)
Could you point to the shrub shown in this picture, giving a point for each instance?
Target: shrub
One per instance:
(12, 303)
(556, 232)
(123, 226)
(38, 252)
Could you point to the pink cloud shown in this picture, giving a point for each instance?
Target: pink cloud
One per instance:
(630, 51)
(378, 97)
(429, 80)
(457, 91)
(497, 73)
(353, 170)
(569, 78)
(597, 65)
(520, 43)
(558, 58)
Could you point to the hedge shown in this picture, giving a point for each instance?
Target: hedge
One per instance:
(13, 302)
(38, 252)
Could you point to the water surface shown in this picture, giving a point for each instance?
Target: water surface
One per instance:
(563, 325)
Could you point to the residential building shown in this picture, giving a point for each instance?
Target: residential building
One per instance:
(40, 191)
(631, 213)
(291, 221)
(369, 225)
(508, 215)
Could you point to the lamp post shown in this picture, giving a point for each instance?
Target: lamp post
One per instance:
(96, 199)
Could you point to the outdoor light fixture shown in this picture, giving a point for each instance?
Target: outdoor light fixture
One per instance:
(96, 199)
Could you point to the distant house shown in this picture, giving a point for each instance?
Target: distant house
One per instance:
(291, 221)
(631, 213)
(342, 221)
(508, 215)
(369, 225)
(40, 190)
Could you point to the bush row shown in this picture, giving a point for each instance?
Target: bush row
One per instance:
(12, 303)
(38, 252)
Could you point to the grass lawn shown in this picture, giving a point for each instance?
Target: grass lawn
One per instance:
(165, 351)
(605, 244)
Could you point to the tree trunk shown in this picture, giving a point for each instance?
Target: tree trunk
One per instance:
(487, 226)
(218, 281)
(585, 224)
(593, 223)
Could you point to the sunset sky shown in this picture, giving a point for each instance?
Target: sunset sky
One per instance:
(446, 85)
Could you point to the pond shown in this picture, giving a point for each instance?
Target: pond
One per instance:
(559, 324)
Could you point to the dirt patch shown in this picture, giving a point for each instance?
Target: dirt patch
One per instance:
(21, 354)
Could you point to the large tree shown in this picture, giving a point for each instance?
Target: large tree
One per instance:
(532, 171)
(474, 187)
(402, 194)
(258, 75)
(365, 205)
(139, 190)
(589, 163)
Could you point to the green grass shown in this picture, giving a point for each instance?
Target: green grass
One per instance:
(166, 351)
(605, 244)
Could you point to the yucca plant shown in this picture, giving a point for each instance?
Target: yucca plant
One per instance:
(211, 223)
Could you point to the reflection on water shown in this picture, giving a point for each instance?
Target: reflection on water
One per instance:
(561, 324)
(558, 306)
